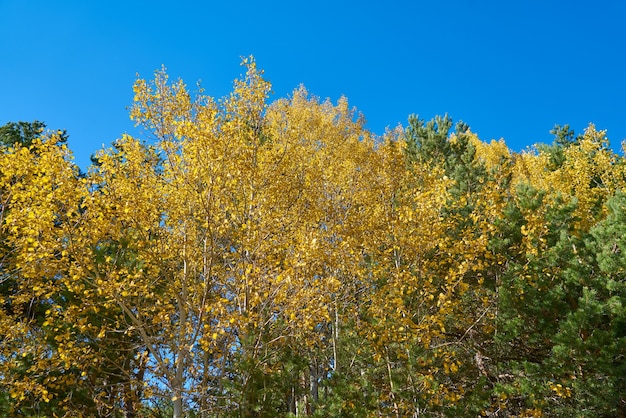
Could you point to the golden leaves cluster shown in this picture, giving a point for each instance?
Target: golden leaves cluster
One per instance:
(245, 229)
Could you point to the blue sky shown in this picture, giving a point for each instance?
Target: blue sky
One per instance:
(510, 69)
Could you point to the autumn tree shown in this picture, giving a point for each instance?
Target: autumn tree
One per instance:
(251, 259)
(41, 196)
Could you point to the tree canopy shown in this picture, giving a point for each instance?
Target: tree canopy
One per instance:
(253, 258)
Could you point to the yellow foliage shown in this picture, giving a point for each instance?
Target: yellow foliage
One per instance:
(247, 229)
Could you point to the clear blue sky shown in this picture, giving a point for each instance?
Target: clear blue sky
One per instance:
(510, 69)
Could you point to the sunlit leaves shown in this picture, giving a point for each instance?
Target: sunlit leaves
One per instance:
(251, 258)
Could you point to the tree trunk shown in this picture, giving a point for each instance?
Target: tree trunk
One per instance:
(313, 385)
(178, 404)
